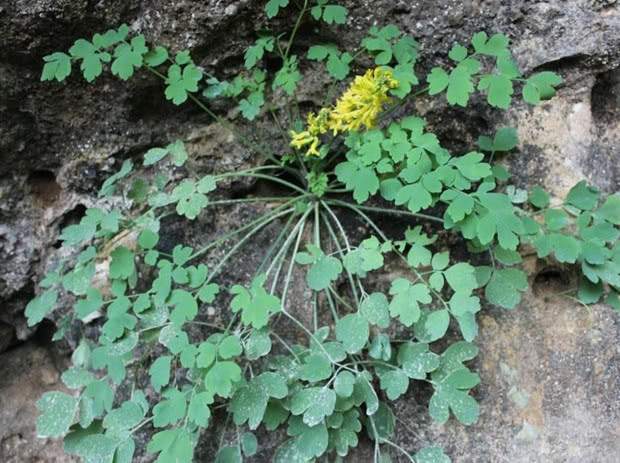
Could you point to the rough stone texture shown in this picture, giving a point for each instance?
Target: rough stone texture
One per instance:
(550, 375)
(550, 380)
(25, 374)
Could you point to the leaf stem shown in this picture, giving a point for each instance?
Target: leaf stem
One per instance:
(242, 241)
(297, 24)
(336, 202)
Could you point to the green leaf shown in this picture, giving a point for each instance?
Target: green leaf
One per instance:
(432, 325)
(101, 394)
(431, 455)
(583, 196)
(273, 7)
(57, 66)
(395, 383)
(128, 415)
(180, 83)
(58, 413)
(169, 411)
(458, 52)
(416, 360)
(461, 277)
(541, 87)
(448, 397)
(362, 180)
(94, 446)
(438, 80)
(249, 444)
(538, 197)
(613, 300)
(352, 330)
(128, 57)
(318, 52)
(186, 307)
(343, 384)
(198, 410)
(594, 252)
(505, 139)
(181, 254)
(495, 46)
(315, 368)
(366, 258)
(470, 166)
(206, 354)
(567, 248)
(610, 210)
(208, 292)
(174, 445)
(179, 155)
(501, 219)
(334, 14)
(363, 392)
(229, 347)
(221, 376)
(500, 90)
(154, 155)
(249, 404)
(374, 309)
(122, 266)
(506, 256)
(324, 270)
(380, 347)
(255, 304)
(338, 66)
(556, 219)
(406, 78)
(91, 59)
(589, 293)
(273, 383)
(288, 76)
(40, 306)
(504, 287)
(462, 303)
(461, 205)
(75, 378)
(78, 280)
(415, 196)
(160, 372)
(250, 106)
(315, 403)
(255, 53)
(156, 56)
(406, 300)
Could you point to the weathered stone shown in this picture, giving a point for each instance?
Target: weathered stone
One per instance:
(26, 373)
(550, 380)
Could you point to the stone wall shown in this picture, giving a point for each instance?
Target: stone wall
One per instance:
(58, 142)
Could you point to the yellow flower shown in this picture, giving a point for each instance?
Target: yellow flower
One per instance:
(363, 101)
(317, 125)
(359, 105)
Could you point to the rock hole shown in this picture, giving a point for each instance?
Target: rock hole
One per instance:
(44, 188)
(44, 333)
(550, 281)
(7, 336)
(605, 100)
(72, 217)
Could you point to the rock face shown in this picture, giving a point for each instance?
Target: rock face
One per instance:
(25, 374)
(550, 370)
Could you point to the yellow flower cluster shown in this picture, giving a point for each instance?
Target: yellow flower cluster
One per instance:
(317, 125)
(359, 105)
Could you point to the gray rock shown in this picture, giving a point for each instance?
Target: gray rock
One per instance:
(550, 371)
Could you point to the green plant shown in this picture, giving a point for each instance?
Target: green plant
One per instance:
(341, 381)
